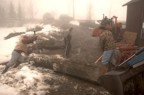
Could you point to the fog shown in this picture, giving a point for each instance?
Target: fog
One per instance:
(77, 9)
(84, 8)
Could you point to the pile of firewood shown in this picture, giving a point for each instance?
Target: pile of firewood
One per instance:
(126, 50)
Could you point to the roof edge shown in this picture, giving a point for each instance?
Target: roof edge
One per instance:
(130, 2)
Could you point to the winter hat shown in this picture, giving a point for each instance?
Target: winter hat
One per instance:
(105, 22)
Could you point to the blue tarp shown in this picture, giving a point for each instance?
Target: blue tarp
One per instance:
(137, 58)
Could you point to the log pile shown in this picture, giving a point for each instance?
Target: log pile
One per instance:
(126, 50)
(84, 51)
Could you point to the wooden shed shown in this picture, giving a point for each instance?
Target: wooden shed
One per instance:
(135, 20)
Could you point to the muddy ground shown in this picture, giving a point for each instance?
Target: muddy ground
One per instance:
(31, 80)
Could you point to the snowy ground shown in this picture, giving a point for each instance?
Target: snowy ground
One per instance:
(6, 46)
(29, 80)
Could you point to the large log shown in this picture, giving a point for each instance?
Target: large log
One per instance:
(48, 44)
(62, 65)
(13, 35)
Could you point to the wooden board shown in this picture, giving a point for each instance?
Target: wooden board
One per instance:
(130, 37)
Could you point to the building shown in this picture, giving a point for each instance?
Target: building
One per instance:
(135, 20)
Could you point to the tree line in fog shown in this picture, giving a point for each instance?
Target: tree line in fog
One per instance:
(13, 14)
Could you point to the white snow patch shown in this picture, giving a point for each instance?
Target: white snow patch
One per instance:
(7, 46)
(75, 22)
(29, 76)
(49, 28)
(7, 90)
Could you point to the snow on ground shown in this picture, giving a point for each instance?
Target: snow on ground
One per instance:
(75, 23)
(29, 80)
(7, 90)
(6, 46)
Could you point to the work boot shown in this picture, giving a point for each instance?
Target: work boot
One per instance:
(5, 70)
(16, 65)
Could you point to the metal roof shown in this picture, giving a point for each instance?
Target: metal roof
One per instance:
(131, 2)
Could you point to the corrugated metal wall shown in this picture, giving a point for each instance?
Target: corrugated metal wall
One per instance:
(135, 17)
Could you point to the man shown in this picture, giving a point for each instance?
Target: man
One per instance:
(107, 44)
(21, 47)
(67, 42)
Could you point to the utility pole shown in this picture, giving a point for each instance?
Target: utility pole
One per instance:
(110, 9)
(90, 10)
(73, 10)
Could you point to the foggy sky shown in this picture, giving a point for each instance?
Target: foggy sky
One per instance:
(98, 8)
(81, 8)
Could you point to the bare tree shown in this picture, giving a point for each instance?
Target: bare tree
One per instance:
(20, 14)
(2, 14)
(90, 9)
(12, 12)
(31, 9)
